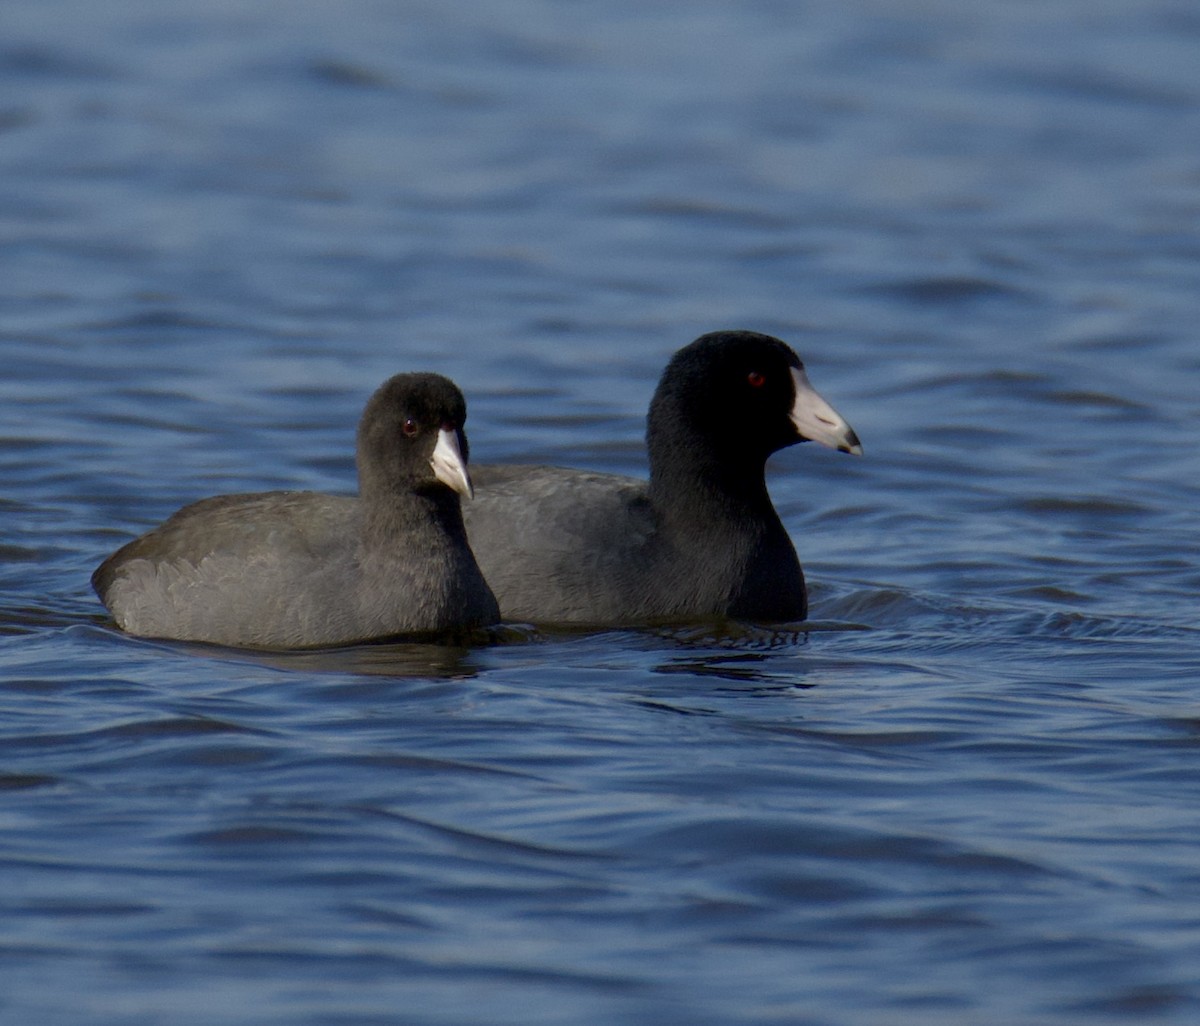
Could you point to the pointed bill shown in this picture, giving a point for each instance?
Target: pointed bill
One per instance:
(817, 421)
(448, 464)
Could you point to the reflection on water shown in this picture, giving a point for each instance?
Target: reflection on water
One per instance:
(443, 659)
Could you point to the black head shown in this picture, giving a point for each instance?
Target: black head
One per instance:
(737, 397)
(411, 436)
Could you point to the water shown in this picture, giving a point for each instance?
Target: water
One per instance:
(971, 794)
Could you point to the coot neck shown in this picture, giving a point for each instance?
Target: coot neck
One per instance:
(709, 489)
(424, 516)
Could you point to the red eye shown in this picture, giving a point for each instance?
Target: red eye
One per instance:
(410, 427)
(756, 379)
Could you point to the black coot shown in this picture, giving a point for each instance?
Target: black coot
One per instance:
(701, 540)
(303, 569)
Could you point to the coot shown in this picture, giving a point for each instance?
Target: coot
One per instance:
(304, 569)
(701, 540)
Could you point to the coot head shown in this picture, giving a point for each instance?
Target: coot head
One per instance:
(411, 437)
(740, 396)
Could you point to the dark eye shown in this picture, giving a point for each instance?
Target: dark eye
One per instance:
(410, 427)
(757, 379)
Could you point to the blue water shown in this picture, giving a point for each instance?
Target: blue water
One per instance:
(969, 795)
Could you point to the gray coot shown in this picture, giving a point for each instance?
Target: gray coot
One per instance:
(701, 540)
(304, 569)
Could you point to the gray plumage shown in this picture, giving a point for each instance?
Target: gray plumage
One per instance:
(701, 539)
(304, 569)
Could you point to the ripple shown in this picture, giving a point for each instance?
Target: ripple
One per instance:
(1105, 86)
(67, 908)
(885, 607)
(335, 72)
(841, 846)
(1083, 625)
(958, 290)
(707, 211)
(177, 726)
(50, 63)
(1084, 507)
(474, 839)
(26, 781)
(253, 835)
(1101, 400)
(1143, 1001)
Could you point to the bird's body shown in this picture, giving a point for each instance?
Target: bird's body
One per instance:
(699, 540)
(305, 569)
(593, 549)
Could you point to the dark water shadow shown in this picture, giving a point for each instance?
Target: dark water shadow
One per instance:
(451, 657)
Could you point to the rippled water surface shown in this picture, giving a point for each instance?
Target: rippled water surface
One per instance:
(969, 794)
